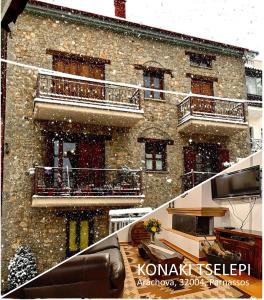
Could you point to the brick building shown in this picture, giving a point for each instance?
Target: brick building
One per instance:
(77, 148)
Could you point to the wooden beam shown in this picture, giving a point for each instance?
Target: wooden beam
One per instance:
(80, 57)
(201, 77)
(199, 211)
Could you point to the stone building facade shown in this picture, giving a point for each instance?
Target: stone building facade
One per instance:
(127, 51)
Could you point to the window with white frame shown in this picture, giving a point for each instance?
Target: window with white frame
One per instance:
(254, 85)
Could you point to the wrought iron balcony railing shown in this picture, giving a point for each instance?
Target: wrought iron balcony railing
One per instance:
(50, 181)
(56, 87)
(207, 108)
(256, 145)
(193, 178)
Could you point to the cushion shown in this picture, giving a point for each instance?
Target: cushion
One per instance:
(110, 242)
(117, 267)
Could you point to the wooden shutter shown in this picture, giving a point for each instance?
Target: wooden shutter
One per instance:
(90, 155)
(81, 68)
(189, 159)
(196, 86)
(223, 156)
(204, 88)
(85, 89)
(65, 86)
(49, 158)
(98, 161)
(98, 155)
(58, 84)
(97, 71)
(207, 88)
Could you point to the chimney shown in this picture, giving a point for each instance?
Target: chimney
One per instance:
(120, 8)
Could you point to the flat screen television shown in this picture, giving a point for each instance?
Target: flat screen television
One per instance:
(242, 183)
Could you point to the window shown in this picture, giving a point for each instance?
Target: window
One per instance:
(154, 80)
(200, 60)
(155, 155)
(254, 85)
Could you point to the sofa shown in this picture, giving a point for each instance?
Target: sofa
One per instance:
(98, 272)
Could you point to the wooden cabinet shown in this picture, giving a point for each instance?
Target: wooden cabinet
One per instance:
(246, 242)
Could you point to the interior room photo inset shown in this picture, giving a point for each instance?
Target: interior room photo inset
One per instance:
(197, 245)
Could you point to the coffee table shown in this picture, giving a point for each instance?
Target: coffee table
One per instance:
(160, 254)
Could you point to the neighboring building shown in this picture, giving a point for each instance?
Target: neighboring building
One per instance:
(75, 149)
(254, 93)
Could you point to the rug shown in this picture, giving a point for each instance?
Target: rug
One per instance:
(172, 287)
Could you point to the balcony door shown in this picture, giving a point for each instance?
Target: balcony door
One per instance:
(79, 162)
(78, 88)
(205, 158)
(202, 87)
(79, 231)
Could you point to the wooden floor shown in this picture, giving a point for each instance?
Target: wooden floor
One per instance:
(255, 285)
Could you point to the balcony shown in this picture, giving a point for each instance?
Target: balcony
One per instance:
(211, 116)
(193, 178)
(76, 100)
(64, 187)
(256, 145)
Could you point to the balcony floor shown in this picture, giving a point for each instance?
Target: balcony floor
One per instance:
(92, 112)
(86, 201)
(199, 125)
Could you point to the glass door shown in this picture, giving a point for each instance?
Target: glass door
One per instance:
(79, 233)
(65, 162)
(78, 164)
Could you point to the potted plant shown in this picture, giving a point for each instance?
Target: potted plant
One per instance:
(152, 226)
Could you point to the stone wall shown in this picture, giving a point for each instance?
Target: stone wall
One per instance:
(101, 226)
(31, 37)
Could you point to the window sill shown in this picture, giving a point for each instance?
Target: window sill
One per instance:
(156, 172)
(155, 99)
